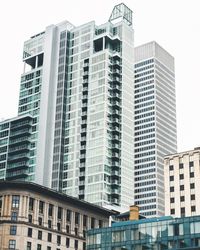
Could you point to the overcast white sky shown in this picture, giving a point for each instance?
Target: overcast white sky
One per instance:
(174, 24)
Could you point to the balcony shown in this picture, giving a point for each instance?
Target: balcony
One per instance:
(20, 133)
(18, 157)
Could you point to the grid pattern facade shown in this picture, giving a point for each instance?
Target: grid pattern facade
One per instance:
(155, 125)
(157, 234)
(182, 183)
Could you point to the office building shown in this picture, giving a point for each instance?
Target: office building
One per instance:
(155, 125)
(160, 233)
(35, 217)
(182, 183)
(78, 86)
(15, 147)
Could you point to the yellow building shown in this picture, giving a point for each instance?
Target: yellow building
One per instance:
(38, 218)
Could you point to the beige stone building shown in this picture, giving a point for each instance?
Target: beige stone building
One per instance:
(37, 218)
(182, 183)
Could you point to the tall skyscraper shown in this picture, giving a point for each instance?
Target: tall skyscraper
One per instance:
(78, 87)
(155, 124)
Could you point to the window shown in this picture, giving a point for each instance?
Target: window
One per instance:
(12, 244)
(69, 212)
(77, 215)
(14, 216)
(67, 242)
(49, 223)
(39, 235)
(180, 165)
(76, 231)
(59, 213)
(172, 200)
(172, 211)
(15, 201)
(48, 248)
(84, 246)
(58, 239)
(58, 226)
(41, 207)
(191, 164)
(182, 198)
(191, 174)
(13, 230)
(30, 230)
(192, 197)
(181, 176)
(28, 246)
(171, 167)
(181, 187)
(76, 244)
(85, 220)
(171, 189)
(193, 208)
(39, 247)
(171, 178)
(0, 201)
(182, 211)
(50, 211)
(31, 204)
(192, 186)
(92, 222)
(30, 218)
(67, 228)
(49, 237)
(40, 221)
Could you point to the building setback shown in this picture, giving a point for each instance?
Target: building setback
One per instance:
(35, 217)
(155, 125)
(78, 86)
(182, 183)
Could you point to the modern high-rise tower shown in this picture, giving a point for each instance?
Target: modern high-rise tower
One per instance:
(155, 124)
(78, 87)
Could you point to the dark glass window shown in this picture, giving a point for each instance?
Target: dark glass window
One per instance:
(171, 167)
(171, 189)
(67, 242)
(49, 223)
(192, 196)
(58, 226)
(191, 164)
(0, 201)
(182, 211)
(191, 174)
(48, 248)
(76, 231)
(31, 204)
(172, 200)
(76, 244)
(41, 207)
(49, 237)
(67, 228)
(193, 208)
(100, 223)
(172, 211)
(69, 212)
(12, 244)
(39, 247)
(85, 220)
(58, 239)
(50, 212)
(40, 221)
(192, 185)
(15, 201)
(30, 218)
(77, 215)
(59, 213)
(181, 176)
(171, 178)
(180, 165)
(92, 222)
(181, 187)
(39, 235)
(30, 230)
(28, 247)
(84, 246)
(182, 198)
(13, 230)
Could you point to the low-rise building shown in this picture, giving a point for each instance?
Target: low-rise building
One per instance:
(182, 183)
(160, 233)
(38, 218)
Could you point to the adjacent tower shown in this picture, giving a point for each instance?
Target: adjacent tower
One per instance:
(155, 124)
(78, 87)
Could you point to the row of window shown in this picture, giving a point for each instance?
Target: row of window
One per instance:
(181, 176)
(193, 209)
(181, 165)
(182, 198)
(192, 186)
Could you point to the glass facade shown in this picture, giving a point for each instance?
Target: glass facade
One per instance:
(156, 234)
